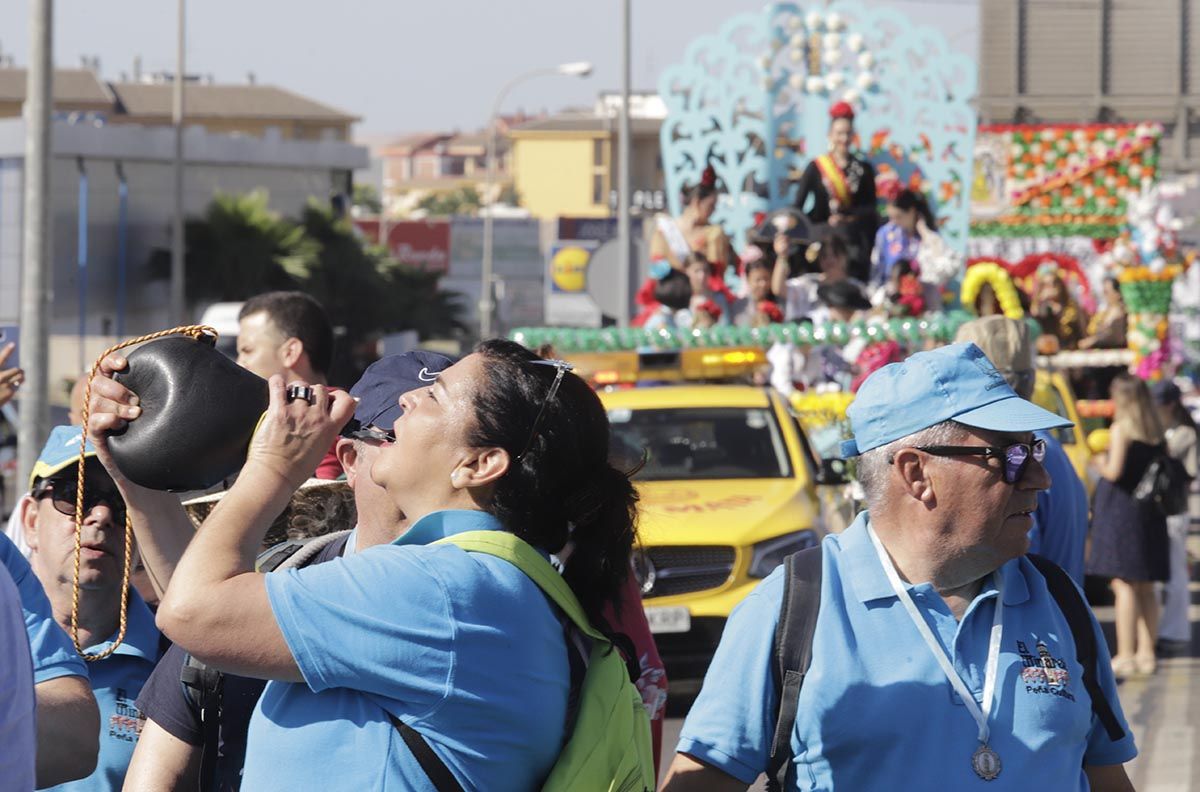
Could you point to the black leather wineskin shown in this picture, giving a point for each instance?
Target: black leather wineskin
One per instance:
(199, 412)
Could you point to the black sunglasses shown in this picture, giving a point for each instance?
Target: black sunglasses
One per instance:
(62, 497)
(1016, 456)
(561, 368)
(356, 431)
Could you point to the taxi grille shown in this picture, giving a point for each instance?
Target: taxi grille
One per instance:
(682, 570)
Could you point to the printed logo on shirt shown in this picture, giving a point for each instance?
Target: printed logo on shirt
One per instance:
(1043, 673)
(126, 722)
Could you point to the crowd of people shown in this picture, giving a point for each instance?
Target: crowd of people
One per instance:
(463, 628)
(204, 673)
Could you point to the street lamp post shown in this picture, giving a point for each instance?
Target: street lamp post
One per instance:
(486, 304)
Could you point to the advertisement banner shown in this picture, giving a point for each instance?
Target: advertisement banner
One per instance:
(568, 266)
(423, 244)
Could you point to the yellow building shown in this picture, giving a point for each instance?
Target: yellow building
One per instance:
(565, 165)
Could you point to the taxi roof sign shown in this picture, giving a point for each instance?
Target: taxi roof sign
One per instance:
(659, 365)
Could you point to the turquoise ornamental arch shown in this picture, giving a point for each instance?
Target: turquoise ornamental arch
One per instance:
(753, 100)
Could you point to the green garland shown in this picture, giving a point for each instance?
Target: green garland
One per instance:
(1014, 231)
(565, 340)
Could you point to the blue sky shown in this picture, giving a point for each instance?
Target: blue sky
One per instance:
(403, 65)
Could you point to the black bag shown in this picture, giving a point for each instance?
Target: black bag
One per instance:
(199, 411)
(1164, 485)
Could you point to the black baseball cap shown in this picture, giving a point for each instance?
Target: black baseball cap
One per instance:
(381, 385)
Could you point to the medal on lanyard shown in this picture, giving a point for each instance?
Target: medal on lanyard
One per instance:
(985, 762)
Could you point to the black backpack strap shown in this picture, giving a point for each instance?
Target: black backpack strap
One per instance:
(1076, 611)
(792, 653)
(297, 553)
(204, 684)
(443, 780)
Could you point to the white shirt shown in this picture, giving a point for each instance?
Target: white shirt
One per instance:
(18, 747)
(801, 298)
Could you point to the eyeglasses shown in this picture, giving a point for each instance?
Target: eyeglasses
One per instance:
(1016, 456)
(62, 497)
(561, 368)
(370, 433)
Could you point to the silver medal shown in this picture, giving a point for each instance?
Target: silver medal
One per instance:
(986, 763)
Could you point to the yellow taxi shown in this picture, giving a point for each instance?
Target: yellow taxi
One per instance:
(727, 491)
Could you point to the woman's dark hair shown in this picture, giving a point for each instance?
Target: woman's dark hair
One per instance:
(674, 290)
(758, 264)
(1116, 286)
(704, 188)
(831, 244)
(560, 485)
(908, 200)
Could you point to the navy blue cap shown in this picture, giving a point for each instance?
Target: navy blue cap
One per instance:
(381, 385)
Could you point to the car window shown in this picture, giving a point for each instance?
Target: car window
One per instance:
(701, 443)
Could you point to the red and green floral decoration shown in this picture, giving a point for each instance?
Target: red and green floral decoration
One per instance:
(1072, 180)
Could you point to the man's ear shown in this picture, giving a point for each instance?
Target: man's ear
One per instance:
(28, 509)
(914, 476)
(290, 352)
(347, 456)
(483, 468)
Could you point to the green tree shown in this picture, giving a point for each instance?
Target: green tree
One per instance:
(464, 200)
(510, 196)
(367, 197)
(240, 248)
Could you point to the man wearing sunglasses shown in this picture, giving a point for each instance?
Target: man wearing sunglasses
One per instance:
(940, 656)
(48, 521)
(175, 743)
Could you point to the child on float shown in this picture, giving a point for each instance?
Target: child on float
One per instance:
(799, 294)
(910, 235)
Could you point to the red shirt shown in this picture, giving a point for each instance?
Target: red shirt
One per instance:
(652, 684)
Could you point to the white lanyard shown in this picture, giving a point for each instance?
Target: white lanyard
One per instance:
(993, 657)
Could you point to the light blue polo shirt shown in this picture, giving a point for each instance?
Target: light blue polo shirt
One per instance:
(53, 653)
(116, 682)
(1060, 524)
(461, 646)
(877, 712)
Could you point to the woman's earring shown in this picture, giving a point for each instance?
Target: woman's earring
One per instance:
(454, 478)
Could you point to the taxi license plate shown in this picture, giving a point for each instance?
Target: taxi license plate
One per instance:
(669, 620)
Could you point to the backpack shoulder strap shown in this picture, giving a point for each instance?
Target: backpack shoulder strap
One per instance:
(296, 553)
(1073, 607)
(792, 653)
(432, 765)
(523, 556)
(203, 685)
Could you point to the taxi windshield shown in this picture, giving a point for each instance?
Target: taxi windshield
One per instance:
(701, 443)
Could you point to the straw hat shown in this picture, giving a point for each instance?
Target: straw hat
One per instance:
(320, 506)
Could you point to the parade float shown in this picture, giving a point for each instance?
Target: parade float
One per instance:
(752, 100)
(1085, 202)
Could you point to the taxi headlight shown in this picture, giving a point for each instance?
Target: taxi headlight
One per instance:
(765, 556)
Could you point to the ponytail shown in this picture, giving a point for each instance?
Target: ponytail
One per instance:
(560, 485)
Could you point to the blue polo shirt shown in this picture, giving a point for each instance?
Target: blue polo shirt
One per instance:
(18, 747)
(53, 653)
(876, 708)
(1060, 524)
(116, 682)
(461, 646)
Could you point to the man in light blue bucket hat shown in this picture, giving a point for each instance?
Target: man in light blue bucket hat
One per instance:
(933, 653)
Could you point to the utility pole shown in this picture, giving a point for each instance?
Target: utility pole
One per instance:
(35, 260)
(624, 152)
(178, 306)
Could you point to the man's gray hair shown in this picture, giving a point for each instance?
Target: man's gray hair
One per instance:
(873, 465)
